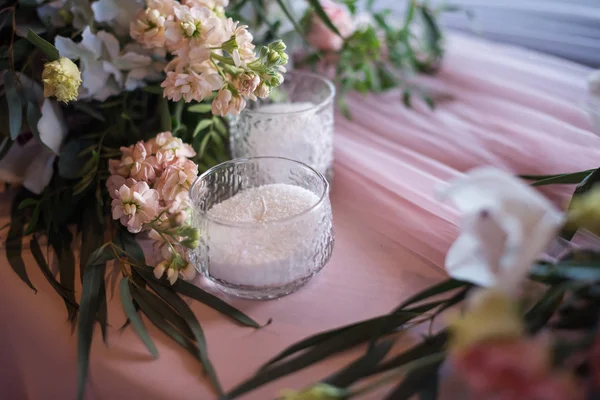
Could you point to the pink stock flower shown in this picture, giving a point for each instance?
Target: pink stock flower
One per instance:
(114, 183)
(246, 84)
(227, 103)
(148, 27)
(135, 206)
(193, 26)
(243, 50)
(323, 38)
(190, 86)
(169, 148)
(176, 178)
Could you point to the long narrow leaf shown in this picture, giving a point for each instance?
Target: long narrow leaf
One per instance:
(206, 298)
(358, 368)
(415, 381)
(92, 237)
(38, 255)
(15, 107)
(136, 322)
(442, 287)
(347, 338)
(316, 4)
(167, 312)
(289, 16)
(90, 304)
(48, 49)
(572, 178)
(14, 241)
(537, 317)
(62, 245)
(129, 244)
(171, 297)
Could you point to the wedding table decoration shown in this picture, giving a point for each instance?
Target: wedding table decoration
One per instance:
(111, 109)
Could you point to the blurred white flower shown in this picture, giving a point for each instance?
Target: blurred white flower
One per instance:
(30, 163)
(118, 14)
(505, 225)
(105, 70)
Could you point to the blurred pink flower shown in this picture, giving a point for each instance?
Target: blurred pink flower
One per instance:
(323, 38)
(135, 206)
(226, 103)
(190, 86)
(513, 370)
(114, 183)
(176, 178)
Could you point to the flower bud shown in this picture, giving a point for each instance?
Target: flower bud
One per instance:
(278, 46)
(61, 78)
(263, 91)
(276, 79)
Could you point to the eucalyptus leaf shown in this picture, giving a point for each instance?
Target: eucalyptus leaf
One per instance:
(202, 125)
(415, 381)
(14, 240)
(316, 4)
(70, 163)
(129, 244)
(134, 318)
(442, 287)
(563, 179)
(89, 110)
(92, 236)
(15, 107)
(537, 317)
(38, 255)
(48, 49)
(62, 245)
(90, 304)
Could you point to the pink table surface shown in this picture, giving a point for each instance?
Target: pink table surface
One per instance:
(503, 106)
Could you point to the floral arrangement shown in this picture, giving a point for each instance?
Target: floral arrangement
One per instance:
(112, 108)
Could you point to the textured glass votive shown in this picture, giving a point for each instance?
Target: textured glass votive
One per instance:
(265, 225)
(295, 122)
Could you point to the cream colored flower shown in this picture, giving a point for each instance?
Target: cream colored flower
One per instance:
(246, 84)
(192, 27)
(148, 28)
(227, 103)
(239, 42)
(135, 206)
(168, 148)
(61, 79)
(190, 86)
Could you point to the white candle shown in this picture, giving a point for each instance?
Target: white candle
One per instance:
(299, 131)
(274, 244)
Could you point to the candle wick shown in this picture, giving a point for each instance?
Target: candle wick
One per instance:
(264, 208)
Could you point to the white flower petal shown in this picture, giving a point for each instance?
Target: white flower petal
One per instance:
(67, 48)
(39, 172)
(52, 126)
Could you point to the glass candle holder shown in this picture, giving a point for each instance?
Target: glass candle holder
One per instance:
(295, 122)
(265, 226)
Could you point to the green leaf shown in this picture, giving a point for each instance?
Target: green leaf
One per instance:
(14, 240)
(563, 179)
(5, 145)
(220, 126)
(406, 98)
(92, 236)
(316, 4)
(62, 245)
(165, 115)
(48, 49)
(28, 202)
(539, 315)
(70, 164)
(415, 381)
(153, 89)
(432, 31)
(410, 13)
(15, 108)
(33, 221)
(38, 255)
(90, 304)
(329, 343)
(203, 124)
(134, 318)
(289, 16)
(89, 110)
(129, 244)
(439, 288)
(171, 297)
(356, 370)
(200, 108)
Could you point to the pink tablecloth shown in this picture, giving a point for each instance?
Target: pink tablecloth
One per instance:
(508, 107)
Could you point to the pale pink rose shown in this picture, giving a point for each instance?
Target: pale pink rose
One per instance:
(135, 206)
(177, 178)
(190, 86)
(246, 84)
(226, 103)
(192, 27)
(321, 37)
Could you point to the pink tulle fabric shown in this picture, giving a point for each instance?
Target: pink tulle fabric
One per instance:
(497, 105)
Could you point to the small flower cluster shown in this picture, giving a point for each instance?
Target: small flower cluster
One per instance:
(210, 52)
(149, 186)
